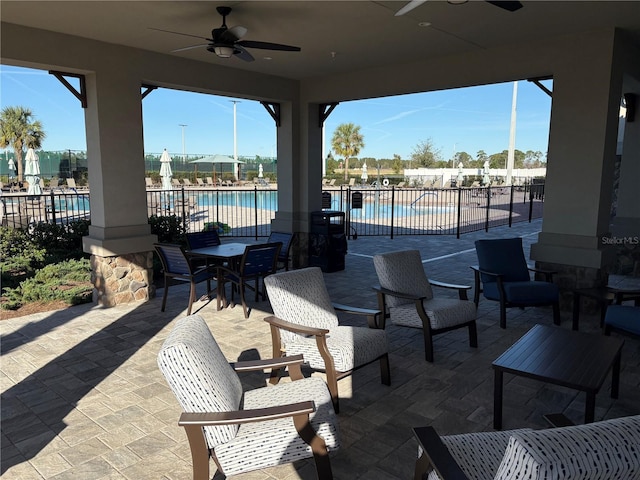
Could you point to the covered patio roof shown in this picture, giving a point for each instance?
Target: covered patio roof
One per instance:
(350, 50)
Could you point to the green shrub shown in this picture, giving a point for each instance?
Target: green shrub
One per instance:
(169, 229)
(20, 257)
(68, 281)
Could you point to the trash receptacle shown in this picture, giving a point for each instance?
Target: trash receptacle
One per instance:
(327, 240)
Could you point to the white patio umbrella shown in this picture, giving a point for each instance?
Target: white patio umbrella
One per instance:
(460, 175)
(260, 171)
(165, 170)
(365, 174)
(486, 180)
(12, 168)
(32, 173)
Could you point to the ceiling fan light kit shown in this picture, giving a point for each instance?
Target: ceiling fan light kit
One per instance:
(226, 42)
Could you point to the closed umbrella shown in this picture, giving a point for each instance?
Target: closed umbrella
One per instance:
(12, 169)
(486, 180)
(32, 173)
(165, 170)
(460, 175)
(260, 171)
(365, 174)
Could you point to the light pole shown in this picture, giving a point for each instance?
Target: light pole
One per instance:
(235, 138)
(184, 157)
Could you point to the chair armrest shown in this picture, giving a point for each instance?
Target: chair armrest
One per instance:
(548, 274)
(462, 289)
(475, 268)
(295, 328)
(437, 454)
(252, 365)
(408, 296)
(370, 313)
(558, 420)
(237, 417)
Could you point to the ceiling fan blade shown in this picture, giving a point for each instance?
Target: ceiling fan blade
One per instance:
(509, 6)
(409, 6)
(180, 33)
(267, 45)
(239, 31)
(242, 54)
(189, 48)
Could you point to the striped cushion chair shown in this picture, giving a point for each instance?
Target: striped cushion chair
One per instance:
(306, 323)
(406, 298)
(247, 431)
(606, 450)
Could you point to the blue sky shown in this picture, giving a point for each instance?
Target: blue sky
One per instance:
(467, 119)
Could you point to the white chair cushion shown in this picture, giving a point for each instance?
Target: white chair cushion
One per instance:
(442, 312)
(608, 450)
(402, 272)
(350, 347)
(276, 442)
(478, 454)
(199, 374)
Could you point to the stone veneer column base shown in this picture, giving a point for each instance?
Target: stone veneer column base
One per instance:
(570, 278)
(122, 279)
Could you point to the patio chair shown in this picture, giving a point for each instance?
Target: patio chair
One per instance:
(624, 319)
(405, 297)
(187, 183)
(207, 238)
(175, 183)
(352, 182)
(176, 266)
(251, 430)
(287, 241)
(210, 182)
(200, 182)
(305, 322)
(502, 275)
(256, 264)
(401, 185)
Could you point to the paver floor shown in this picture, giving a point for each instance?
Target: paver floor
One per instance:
(82, 397)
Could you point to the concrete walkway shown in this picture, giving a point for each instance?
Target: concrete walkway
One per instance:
(83, 398)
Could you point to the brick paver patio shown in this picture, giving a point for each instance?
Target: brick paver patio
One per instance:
(83, 398)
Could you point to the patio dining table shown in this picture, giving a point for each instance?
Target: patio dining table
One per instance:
(229, 253)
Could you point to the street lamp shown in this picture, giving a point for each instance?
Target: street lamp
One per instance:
(184, 157)
(235, 137)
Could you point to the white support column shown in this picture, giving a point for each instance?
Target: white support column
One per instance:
(119, 236)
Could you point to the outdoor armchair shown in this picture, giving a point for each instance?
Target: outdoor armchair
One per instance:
(287, 241)
(251, 430)
(502, 275)
(305, 323)
(257, 262)
(177, 266)
(405, 297)
(606, 449)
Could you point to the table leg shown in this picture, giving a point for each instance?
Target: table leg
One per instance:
(615, 376)
(590, 407)
(497, 399)
(576, 310)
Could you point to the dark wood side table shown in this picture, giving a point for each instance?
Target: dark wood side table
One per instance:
(605, 296)
(576, 360)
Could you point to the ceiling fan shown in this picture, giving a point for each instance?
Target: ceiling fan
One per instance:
(510, 6)
(226, 42)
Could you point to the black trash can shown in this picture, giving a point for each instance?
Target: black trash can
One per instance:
(327, 240)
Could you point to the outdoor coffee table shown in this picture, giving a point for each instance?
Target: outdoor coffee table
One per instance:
(563, 357)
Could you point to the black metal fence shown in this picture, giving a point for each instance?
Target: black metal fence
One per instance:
(248, 212)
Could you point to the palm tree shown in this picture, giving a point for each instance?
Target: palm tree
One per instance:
(18, 130)
(347, 142)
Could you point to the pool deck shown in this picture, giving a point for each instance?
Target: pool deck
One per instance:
(82, 397)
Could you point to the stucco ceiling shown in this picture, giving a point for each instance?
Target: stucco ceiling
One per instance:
(335, 36)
